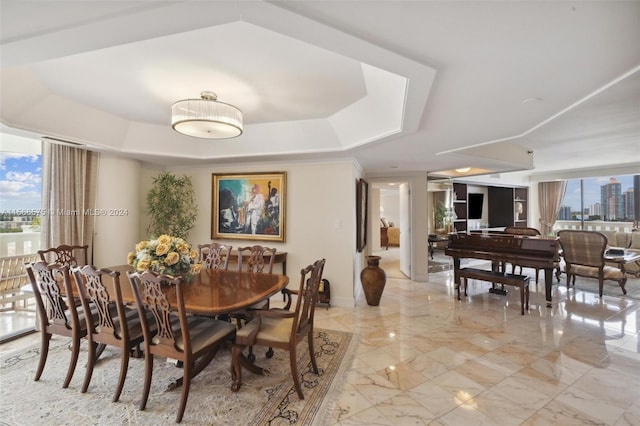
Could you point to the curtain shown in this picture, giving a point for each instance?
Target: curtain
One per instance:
(550, 196)
(69, 180)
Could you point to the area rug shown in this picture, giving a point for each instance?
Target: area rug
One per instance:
(268, 399)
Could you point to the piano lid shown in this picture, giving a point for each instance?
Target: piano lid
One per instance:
(503, 242)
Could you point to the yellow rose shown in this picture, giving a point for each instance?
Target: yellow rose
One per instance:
(164, 239)
(130, 258)
(182, 248)
(195, 268)
(162, 249)
(193, 255)
(172, 258)
(141, 245)
(143, 265)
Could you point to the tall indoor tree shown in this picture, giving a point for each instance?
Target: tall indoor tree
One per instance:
(171, 203)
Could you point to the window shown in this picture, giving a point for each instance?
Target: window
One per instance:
(600, 199)
(20, 194)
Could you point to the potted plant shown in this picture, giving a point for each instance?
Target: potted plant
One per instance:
(440, 214)
(171, 204)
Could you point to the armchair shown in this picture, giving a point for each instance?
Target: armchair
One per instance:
(282, 328)
(583, 253)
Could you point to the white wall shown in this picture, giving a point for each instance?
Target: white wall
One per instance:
(118, 195)
(320, 218)
(390, 203)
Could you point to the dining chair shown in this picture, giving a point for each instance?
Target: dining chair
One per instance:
(531, 232)
(583, 253)
(252, 259)
(283, 328)
(214, 255)
(192, 340)
(114, 323)
(70, 255)
(57, 312)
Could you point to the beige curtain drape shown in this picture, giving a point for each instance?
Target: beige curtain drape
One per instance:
(550, 196)
(69, 176)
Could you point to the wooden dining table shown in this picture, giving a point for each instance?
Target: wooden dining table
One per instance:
(213, 292)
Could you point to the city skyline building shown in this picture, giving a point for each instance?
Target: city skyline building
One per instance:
(564, 213)
(611, 200)
(628, 203)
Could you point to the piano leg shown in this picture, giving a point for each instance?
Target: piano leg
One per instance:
(548, 282)
(498, 267)
(456, 275)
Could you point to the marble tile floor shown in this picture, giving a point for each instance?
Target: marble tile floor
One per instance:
(425, 358)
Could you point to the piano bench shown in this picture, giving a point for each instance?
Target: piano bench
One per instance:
(521, 281)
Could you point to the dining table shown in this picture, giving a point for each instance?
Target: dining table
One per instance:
(213, 292)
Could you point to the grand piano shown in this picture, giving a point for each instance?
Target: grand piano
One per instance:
(528, 251)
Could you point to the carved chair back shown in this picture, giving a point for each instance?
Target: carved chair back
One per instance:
(256, 259)
(214, 255)
(70, 255)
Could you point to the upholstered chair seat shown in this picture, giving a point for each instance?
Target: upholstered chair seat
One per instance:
(609, 272)
(271, 329)
(202, 331)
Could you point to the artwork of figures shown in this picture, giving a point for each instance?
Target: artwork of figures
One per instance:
(249, 206)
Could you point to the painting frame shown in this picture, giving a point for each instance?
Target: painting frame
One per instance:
(362, 201)
(249, 206)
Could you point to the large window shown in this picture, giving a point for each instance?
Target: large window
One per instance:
(20, 195)
(601, 199)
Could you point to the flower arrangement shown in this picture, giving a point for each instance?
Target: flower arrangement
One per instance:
(165, 255)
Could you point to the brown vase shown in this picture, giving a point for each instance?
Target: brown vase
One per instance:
(373, 279)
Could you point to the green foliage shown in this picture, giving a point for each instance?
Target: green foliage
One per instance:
(171, 204)
(10, 230)
(440, 214)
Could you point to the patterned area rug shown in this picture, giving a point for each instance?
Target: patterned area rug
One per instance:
(268, 399)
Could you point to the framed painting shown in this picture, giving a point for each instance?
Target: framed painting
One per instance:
(249, 206)
(362, 199)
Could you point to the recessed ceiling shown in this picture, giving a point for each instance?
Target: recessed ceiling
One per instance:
(222, 59)
(419, 85)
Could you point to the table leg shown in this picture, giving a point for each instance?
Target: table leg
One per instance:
(548, 282)
(200, 364)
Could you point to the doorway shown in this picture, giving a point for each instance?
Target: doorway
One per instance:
(439, 200)
(390, 209)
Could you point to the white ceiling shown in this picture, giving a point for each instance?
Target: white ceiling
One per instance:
(396, 85)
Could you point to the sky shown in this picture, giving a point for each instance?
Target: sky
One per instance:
(591, 190)
(20, 181)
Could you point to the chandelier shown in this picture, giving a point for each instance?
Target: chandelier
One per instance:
(206, 118)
